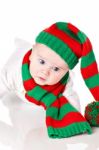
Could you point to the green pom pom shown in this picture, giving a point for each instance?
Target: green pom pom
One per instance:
(92, 113)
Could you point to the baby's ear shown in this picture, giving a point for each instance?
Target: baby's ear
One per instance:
(30, 57)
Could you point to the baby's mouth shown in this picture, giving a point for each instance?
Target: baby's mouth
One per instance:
(41, 78)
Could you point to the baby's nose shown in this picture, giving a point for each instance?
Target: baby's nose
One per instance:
(46, 71)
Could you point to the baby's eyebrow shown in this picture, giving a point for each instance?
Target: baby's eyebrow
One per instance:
(53, 64)
(41, 57)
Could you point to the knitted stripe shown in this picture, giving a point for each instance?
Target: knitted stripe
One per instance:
(26, 58)
(73, 28)
(63, 121)
(64, 110)
(89, 70)
(95, 92)
(82, 37)
(58, 46)
(68, 131)
(32, 100)
(92, 81)
(60, 114)
(61, 100)
(29, 84)
(89, 67)
(67, 39)
(26, 76)
(65, 28)
(88, 59)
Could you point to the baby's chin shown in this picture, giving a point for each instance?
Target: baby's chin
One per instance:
(42, 82)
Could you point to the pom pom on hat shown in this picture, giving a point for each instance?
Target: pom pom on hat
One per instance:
(92, 113)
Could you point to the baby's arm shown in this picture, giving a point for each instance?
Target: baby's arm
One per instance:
(10, 75)
(71, 95)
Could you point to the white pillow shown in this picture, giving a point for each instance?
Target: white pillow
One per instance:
(22, 44)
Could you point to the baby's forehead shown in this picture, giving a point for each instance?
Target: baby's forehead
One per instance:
(48, 54)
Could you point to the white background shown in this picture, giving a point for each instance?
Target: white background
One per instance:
(26, 18)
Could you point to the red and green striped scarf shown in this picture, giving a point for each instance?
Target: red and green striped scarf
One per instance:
(62, 119)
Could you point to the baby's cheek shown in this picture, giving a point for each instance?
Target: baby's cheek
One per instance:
(57, 79)
(59, 76)
(36, 72)
(54, 79)
(32, 71)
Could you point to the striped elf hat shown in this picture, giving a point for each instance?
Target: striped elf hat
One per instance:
(72, 44)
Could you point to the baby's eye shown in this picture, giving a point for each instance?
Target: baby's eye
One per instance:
(56, 69)
(41, 61)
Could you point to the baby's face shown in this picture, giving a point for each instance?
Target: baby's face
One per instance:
(46, 67)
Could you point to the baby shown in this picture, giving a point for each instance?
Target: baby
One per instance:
(49, 69)
(41, 76)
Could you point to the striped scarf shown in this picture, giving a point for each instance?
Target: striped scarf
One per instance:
(62, 119)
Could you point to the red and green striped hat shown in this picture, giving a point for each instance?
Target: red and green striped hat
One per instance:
(72, 44)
